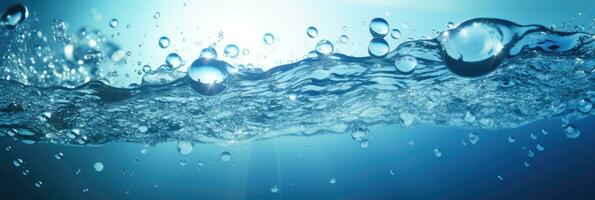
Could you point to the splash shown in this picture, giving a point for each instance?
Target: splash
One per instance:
(500, 75)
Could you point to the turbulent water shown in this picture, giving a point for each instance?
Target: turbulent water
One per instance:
(56, 88)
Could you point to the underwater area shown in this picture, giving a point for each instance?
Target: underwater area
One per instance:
(264, 99)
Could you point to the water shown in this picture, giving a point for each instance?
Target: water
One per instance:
(287, 115)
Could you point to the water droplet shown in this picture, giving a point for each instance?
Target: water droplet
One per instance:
(510, 139)
(274, 189)
(268, 39)
(344, 39)
(38, 184)
(208, 53)
(114, 23)
(225, 156)
(378, 48)
(59, 156)
(473, 138)
(98, 166)
(450, 25)
(231, 51)
(539, 147)
(324, 48)
(185, 147)
(395, 34)
(585, 105)
(173, 60)
(157, 15)
(571, 131)
(245, 52)
(437, 153)
(474, 48)
(378, 27)
(208, 76)
(312, 32)
(128, 26)
(13, 16)
(406, 64)
(164, 42)
(332, 181)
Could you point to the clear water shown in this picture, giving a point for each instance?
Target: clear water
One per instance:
(488, 84)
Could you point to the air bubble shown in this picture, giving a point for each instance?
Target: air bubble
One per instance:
(475, 47)
(185, 147)
(225, 156)
(571, 131)
(98, 166)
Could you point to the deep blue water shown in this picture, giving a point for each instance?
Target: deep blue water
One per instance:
(488, 108)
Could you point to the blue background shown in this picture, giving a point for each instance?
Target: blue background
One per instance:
(302, 166)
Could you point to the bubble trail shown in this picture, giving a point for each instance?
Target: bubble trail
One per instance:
(535, 75)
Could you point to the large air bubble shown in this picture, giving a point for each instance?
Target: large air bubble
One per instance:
(475, 47)
(208, 76)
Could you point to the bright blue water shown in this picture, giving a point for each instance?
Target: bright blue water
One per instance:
(430, 119)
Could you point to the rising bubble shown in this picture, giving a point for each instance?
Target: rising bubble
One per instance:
(344, 39)
(571, 131)
(225, 156)
(585, 105)
(185, 147)
(98, 166)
